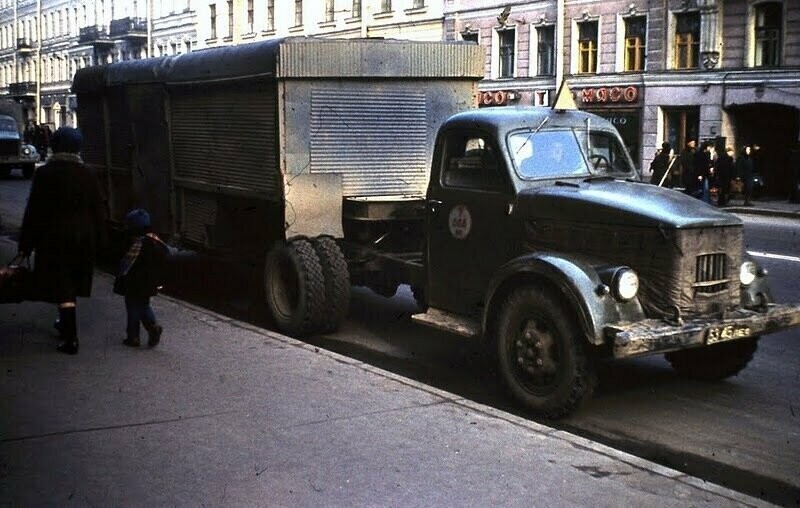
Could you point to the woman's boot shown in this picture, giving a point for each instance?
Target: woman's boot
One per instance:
(68, 329)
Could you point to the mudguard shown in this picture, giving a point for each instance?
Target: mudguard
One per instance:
(576, 278)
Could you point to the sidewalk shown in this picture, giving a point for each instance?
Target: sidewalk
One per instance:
(226, 414)
(766, 206)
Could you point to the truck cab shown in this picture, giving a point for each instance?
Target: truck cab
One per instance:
(542, 239)
(14, 152)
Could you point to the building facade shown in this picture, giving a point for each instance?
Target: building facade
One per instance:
(44, 42)
(671, 71)
(222, 22)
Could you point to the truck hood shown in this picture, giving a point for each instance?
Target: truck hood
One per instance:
(618, 202)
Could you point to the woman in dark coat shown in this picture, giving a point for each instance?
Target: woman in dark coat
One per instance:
(63, 225)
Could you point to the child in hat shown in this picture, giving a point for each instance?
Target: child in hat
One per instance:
(139, 277)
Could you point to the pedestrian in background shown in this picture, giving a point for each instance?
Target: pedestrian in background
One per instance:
(686, 162)
(64, 226)
(140, 276)
(660, 165)
(724, 171)
(699, 185)
(744, 170)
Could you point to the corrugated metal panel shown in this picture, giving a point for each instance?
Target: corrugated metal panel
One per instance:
(199, 212)
(376, 139)
(204, 149)
(379, 58)
(119, 123)
(90, 112)
(122, 192)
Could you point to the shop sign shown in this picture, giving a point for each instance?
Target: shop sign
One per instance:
(613, 95)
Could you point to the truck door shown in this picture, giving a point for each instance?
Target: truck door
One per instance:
(469, 230)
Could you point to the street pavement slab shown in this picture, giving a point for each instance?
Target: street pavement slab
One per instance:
(223, 413)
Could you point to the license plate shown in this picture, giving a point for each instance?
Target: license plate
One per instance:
(729, 332)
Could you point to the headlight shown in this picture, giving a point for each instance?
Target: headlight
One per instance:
(747, 273)
(625, 284)
(26, 151)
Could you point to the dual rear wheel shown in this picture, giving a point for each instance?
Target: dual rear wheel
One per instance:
(307, 286)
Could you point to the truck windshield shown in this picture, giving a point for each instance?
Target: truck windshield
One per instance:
(547, 154)
(567, 153)
(7, 124)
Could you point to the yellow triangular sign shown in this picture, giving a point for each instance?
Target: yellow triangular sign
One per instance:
(564, 99)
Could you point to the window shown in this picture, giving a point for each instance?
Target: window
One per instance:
(328, 11)
(250, 17)
(270, 15)
(506, 53)
(470, 36)
(634, 43)
(545, 51)
(356, 9)
(230, 18)
(681, 126)
(547, 154)
(213, 18)
(769, 24)
(386, 5)
(298, 12)
(587, 47)
(418, 4)
(687, 41)
(471, 163)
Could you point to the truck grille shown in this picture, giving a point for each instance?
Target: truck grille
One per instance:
(678, 268)
(9, 147)
(710, 273)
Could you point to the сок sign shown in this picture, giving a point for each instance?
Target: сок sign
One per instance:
(628, 94)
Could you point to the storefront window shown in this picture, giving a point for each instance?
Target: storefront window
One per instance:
(681, 126)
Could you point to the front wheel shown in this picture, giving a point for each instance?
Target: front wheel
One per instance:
(716, 362)
(28, 170)
(542, 354)
(5, 171)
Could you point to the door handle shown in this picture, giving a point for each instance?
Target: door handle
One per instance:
(434, 204)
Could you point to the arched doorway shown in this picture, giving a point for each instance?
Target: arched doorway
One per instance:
(776, 129)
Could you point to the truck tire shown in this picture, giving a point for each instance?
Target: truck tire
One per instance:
(5, 171)
(716, 362)
(28, 170)
(294, 287)
(542, 355)
(337, 283)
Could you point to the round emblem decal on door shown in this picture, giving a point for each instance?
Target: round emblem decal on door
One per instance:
(460, 222)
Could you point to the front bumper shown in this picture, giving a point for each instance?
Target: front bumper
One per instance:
(656, 336)
(18, 160)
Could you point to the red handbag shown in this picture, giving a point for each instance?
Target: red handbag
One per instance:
(16, 282)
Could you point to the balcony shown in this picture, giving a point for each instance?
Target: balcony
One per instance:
(24, 46)
(22, 89)
(94, 35)
(131, 29)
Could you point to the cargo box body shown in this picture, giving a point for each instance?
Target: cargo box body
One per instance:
(233, 148)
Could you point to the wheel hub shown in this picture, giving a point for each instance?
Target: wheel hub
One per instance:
(534, 352)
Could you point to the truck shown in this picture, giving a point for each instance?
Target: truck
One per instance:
(14, 151)
(367, 162)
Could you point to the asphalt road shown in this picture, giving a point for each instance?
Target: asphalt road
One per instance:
(742, 433)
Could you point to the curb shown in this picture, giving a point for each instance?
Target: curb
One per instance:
(763, 211)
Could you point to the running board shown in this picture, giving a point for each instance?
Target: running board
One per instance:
(448, 322)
